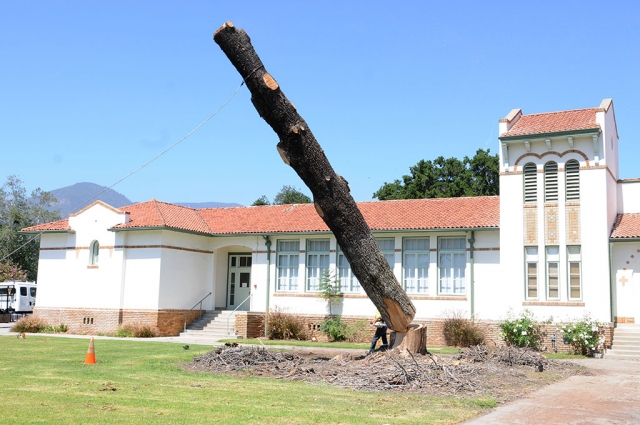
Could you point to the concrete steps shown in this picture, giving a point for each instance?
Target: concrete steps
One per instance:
(626, 343)
(212, 325)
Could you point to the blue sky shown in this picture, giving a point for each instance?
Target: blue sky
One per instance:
(90, 91)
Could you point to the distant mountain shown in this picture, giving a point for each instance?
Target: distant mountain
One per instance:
(73, 198)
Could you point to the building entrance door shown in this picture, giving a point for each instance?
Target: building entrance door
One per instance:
(239, 282)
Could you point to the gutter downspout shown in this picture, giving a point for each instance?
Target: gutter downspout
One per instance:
(471, 241)
(267, 243)
(612, 287)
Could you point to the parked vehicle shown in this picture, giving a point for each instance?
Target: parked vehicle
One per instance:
(17, 297)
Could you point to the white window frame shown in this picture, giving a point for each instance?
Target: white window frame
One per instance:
(553, 257)
(574, 256)
(531, 258)
(388, 248)
(315, 271)
(415, 275)
(287, 275)
(452, 277)
(94, 253)
(348, 281)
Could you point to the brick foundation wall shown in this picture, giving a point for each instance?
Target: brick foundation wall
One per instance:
(97, 321)
(251, 325)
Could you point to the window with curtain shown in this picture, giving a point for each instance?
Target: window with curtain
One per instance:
(452, 264)
(288, 258)
(553, 262)
(572, 180)
(388, 248)
(574, 265)
(531, 271)
(415, 252)
(317, 262)
(530, 183)
(348, 281)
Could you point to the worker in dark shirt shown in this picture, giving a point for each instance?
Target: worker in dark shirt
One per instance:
(381, 332)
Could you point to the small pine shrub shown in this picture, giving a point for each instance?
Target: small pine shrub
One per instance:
(522, 331)
(135, 330)
(459, 331)
(283, 325)
(29, 324)
(334, 328)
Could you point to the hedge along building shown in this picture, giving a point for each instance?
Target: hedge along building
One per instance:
(562, 239)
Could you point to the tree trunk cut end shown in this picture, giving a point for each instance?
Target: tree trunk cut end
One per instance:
(414, 340)
(397, 319)
(318, 209)
(283, 155)
(270, 82)
(227, 24)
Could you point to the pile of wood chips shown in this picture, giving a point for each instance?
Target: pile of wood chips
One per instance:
(474, 370)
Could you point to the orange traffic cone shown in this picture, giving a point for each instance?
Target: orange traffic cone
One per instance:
(91, 354)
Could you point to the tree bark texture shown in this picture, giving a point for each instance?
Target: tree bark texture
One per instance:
(333, 202)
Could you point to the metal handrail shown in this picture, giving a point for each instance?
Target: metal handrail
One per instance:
(234, 311)
(200, 314)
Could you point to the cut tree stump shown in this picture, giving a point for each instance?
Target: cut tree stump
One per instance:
(299, 149)
(414, 340)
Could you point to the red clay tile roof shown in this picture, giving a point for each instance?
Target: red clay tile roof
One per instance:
(446, 213)
(626, 226)
(412, 214)
(60, 225)
(553, 122)
(161, 214)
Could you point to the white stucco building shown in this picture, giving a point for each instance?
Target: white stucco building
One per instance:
(562, 239)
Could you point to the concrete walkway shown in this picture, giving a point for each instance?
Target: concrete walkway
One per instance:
(611, 396)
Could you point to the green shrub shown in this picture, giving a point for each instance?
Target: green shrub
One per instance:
(522, 331)
(459, 331)
(29, 324)
(135, 330)
(61, 328)
(584, 336)
(334, 328)
(283, 325)
(358, 331)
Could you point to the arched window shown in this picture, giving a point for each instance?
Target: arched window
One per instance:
(551, 182)
(530, 183)
(572, 175)
(94, 251)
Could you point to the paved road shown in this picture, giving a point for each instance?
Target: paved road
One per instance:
(611, 396)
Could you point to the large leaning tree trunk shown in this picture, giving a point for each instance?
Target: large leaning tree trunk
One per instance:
(299, 149)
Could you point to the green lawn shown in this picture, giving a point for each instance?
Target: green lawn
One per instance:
(45, 381)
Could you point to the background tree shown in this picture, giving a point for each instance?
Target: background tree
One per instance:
(11, 272)
(16, 212)
(446, 178)
(263, 200)
(290, 195)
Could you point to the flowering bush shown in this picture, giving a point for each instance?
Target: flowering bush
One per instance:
(584, 336)
(11, 272)
(521, 331)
